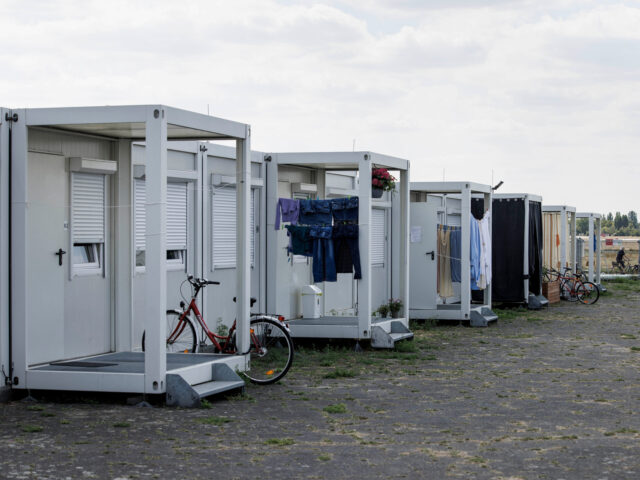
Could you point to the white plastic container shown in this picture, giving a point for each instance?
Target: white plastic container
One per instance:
(311, 301)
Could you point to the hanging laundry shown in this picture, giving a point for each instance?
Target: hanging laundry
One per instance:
(324, 261)
(345, 209)
(475, 252)
(456, 254)
(288, 209)
(347, 249)
(300, 242)
(444, 255)
(315, 212)
(485, 256)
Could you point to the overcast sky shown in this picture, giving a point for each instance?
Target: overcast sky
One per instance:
(544, 94)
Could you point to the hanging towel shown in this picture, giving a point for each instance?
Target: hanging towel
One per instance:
(345, 209)
(324, 261)
(456, 253)
(446, 287)
(300, 241)
(347, 249)
(315, 212)
(475, 252)
(485, 256)
(288, 209)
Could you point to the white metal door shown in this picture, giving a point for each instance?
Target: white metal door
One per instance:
(423, 256)
(47, 226)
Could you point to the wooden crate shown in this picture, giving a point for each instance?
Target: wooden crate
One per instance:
(551, 291)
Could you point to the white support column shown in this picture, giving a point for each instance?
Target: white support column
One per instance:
(488, 200)
(19, 261)
(4, 244)
(563, 238)
(592, 268)
(201, 198)
(271, 168)
(155, 357)
(404, 240)
(124, 253)
(598, 249)
(465, 219)
(243, 248)
(572, 232)
(364, 217)
(525, 260)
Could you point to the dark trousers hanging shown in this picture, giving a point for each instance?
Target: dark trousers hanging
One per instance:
(324, 261)
(347, 249)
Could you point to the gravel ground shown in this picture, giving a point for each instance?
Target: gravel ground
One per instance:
(539, 395)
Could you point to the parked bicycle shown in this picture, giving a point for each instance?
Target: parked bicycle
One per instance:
(270, 346)
(573, 286)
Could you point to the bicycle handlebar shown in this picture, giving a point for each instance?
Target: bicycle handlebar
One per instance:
(200, 282)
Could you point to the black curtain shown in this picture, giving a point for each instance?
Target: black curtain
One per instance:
(535, 248)
(508, 250)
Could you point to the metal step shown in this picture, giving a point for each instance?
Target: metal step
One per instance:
(181, 394)
(215, 386)
(380, 338)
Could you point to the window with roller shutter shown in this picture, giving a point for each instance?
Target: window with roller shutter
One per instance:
(87, 222)
(378, 237)
(223, 226)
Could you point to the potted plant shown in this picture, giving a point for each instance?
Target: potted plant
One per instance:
(381, 181)
(395, 304)
(383, 310)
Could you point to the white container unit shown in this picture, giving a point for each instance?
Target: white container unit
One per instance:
(564, 239)
(348, 304)
(444, 203)
(73, 244)
(593, 245)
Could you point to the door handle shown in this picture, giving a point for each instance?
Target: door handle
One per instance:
(60, 253)
(432, 253)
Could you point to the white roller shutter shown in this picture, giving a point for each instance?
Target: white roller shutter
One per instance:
(176, 235)
(87, 201)
(378, 233)
(223, 221)
(176, 216)
(140, 199)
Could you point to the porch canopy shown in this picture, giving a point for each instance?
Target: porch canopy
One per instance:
(363, 163)
(156, 125)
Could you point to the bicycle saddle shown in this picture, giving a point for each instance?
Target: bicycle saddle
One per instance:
(253, 300)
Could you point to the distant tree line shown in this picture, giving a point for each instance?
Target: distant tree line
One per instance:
(623, 225)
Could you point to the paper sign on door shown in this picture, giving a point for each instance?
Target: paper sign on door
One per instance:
(416, 234)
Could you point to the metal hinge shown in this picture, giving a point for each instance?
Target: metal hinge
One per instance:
(11, 118)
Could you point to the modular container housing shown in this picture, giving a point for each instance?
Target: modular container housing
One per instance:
(448, 204)
(80, 231)
(348, 304)
(559, 230)
(517, 248)
(593, 246)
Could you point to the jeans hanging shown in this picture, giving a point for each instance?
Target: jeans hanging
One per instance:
(347, 249)
(315, 212)
(324, 262)
(345, 209)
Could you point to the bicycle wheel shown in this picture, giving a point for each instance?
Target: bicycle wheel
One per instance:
(181, 334)
(588, 293)
(271, 351)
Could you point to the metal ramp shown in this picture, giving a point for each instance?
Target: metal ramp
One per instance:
(481, 317)
(180, 393)
(381, 338)
(536, 302)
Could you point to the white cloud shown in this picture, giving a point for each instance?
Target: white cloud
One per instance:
(543, 93)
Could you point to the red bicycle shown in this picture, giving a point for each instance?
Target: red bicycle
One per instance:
(270, 349)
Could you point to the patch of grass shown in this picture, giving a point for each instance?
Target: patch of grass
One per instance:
(64, 422)
(204, 403)
(623, 431)
(213, 420)
(340, 373)
(406, 346)
(47, 414)
(336, 408)
(635, 349)
(628, 336)
(279, 442)
(324, 457)
(35, 408)
(122, 425)
(31, 428)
